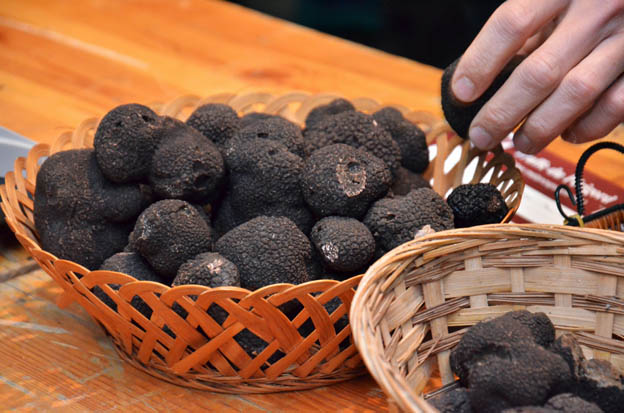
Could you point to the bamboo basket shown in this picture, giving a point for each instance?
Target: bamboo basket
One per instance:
(414, 304)
(196, 351)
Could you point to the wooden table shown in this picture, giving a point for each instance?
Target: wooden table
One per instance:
(64, 61)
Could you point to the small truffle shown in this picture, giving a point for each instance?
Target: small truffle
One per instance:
(358, 130)
(216, 121)
(267, 250)
(264, 179)
(410, 138)
(169, 233)
(477, 204)
(125, 141)
(343, 180)
(79, 214)
(406, 181)
(393, 221)
(344, 244)
(524, 375)
(332, 108)
(209, 269)
(452, 401)
(460, 114)
(186, 165)
(602, 384)
(252, 117)
(570, 403)
(276, 129)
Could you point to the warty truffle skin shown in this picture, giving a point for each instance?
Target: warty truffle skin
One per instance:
(332, 108)
(358, 130)
(342, 180)
(216, 121)
(210, 269)
(186, 165)
(406, 181)
(601, 383)
(79, 214)
(276, 129)
(394, 221)
(410, 138)
(264, 179)
(252, 117)
(169, 233)
(524, 375)
(477, 204)
(344, 244)
(570, 403)
(125, 141)
(267, 250)
(459, 114)
(452, 401)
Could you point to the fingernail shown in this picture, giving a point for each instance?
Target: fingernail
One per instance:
(570, 137)
(480, 137)
(522, 143)
(463, 89)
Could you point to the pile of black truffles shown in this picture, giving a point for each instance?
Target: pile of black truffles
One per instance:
(514, 364)
(224, 200)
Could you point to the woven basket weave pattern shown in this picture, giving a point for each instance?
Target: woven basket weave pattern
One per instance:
(196, 351)
(414, 304)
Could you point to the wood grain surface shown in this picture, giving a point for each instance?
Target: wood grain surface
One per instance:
(64, 61)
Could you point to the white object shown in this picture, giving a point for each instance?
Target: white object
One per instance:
(12, 146)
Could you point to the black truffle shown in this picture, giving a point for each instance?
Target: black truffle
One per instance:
(393, 221)
(79, 214)
(209, 269)
(264, 179)
(343, 180)
(525, 374)
(477, 204)
(497, 336)
(602, 384)
(406, 181)
(459, 114)
(169, 233)
(276, 129)
(410, 138)
(452, 401)
(125, 141)
(570, 403)
(186, 165)
(216, 121)
(252, 117)
(344, 244)
(267, 250)
(358, 130)
(332, 108)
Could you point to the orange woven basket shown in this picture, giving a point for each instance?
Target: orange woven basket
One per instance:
(196, 351)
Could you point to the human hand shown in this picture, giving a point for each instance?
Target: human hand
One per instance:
(571, 83)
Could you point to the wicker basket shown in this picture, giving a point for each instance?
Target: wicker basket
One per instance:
(201, 353)
(408, 300)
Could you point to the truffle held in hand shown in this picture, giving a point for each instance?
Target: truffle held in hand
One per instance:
(477, 204)
(169, 233)
(342, 180)
(79, 214)
(459, 114)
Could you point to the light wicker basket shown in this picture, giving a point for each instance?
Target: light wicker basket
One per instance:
(414, 304)
(203, 353)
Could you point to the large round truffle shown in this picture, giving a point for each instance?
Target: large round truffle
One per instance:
(276, 129)
(267, 250)
(344, 244)
(393, 221)
(343, 180)
(460, 114)
(477, 204)
(125, 141)
(358, 130)
(169, 233)
(332, 108)
(186, 165)
(216, 121)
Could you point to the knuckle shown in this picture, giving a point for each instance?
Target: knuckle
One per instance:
(541, 72)
(614, 104)
(613, 7)
(583, 88)
(514, 20)
(499, 118)
(538, 130)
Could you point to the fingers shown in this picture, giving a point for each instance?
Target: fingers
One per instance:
(602, 118)
(576, 93)
(511, 25)
(536, 77)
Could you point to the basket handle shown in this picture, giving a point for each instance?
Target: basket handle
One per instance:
(577, 219)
